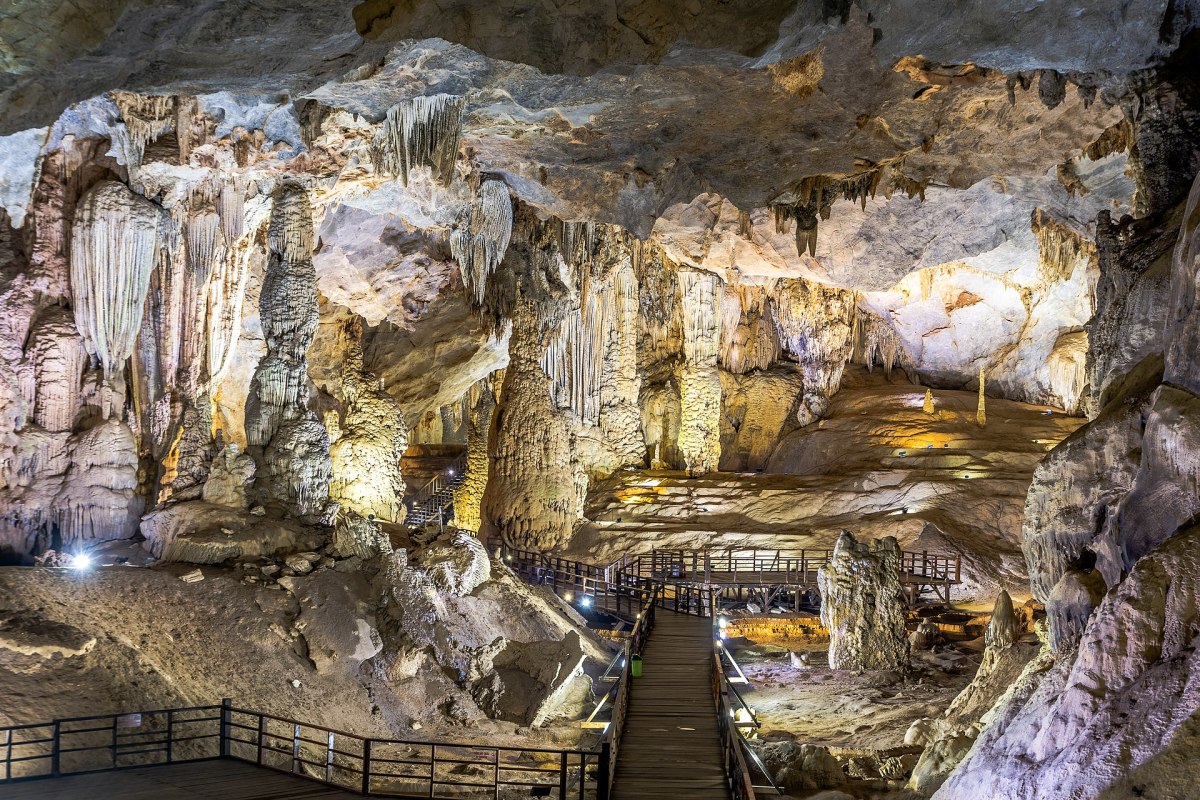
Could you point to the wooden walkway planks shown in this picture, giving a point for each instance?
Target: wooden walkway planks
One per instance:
(225, 779)
(670, 747)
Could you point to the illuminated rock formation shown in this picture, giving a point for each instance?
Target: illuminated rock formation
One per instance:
(699, 382)
(530, 499)
(469, 495)
(373, 437)
(862, 605)
(288, 442)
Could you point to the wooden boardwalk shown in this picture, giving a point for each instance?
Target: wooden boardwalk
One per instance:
(225, 779)
(670, 747)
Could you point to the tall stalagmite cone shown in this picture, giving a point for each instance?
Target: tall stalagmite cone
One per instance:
(981, 412)
(928, 401)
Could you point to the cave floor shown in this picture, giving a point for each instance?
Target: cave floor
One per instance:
(849, 713)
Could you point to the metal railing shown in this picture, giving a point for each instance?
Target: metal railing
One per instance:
(429, 501)
(105, 742)
(738, 755)
(370, 766)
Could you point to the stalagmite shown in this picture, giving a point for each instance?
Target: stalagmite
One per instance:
(530, 496)
(423, 131)
(480, 238)
(372, 440)
(862, 605)
(699, 381)
(469, 495)
(928, 404)
(287, 441)
(114, 249)
(981, 410)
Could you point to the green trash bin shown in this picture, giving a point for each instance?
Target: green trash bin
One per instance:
(635, 666)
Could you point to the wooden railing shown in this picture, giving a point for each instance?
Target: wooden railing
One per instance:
(370, 766)
(605, 588)
(774, 567)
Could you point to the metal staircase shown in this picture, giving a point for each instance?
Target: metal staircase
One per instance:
(434, 502)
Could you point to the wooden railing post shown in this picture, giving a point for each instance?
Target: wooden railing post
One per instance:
(295, 747)
(226, 727)
(562, 776)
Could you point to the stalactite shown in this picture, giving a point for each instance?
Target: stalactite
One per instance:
(981, 409)
(816, 327)
(423, 131)
(876, 341)
(480, 239)
(749, 340)
(574, 354)
(146, 117)
(1067, 367)
(114, 247)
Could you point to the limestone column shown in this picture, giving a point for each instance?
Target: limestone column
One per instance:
(530, 496)
(469, 496)
(699, 380)
(285, 438)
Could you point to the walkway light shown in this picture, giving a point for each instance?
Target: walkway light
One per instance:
(585, 601)
(81, 561)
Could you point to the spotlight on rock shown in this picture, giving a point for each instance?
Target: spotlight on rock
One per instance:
(80, 561)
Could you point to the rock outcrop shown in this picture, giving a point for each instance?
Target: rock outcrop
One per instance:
(862, 605)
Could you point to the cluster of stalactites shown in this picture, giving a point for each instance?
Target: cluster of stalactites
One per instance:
(876, 342)
(813, 197)
(808, 318)
(480, 239)
(114, 248)
(145, 118)
(749, 338)
(423, 131)
(1061, 250)
(574, 355)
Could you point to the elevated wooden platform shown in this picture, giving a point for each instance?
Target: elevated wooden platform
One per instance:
(671, 745)
(220, 779)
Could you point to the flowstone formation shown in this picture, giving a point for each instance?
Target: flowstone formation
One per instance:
(862, 605)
